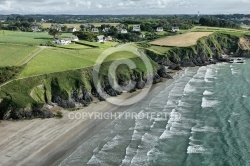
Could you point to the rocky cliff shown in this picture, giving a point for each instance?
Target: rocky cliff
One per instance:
(31, 98)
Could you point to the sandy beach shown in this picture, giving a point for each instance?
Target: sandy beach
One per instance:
(49, 141)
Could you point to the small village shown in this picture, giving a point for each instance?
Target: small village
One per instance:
(101, 34)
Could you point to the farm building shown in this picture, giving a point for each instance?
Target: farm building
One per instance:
(175, 29)
(101, 39)
(109, 38)
(65, 41)
(124, 31)
(35, 28)
(159, 29)
(136, 28)
(72, 29)
(106, 29)
(95, 30)
(74, 38)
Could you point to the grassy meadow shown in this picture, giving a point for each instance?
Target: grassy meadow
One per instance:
(15, 55)
(53, 60)
(27, 38)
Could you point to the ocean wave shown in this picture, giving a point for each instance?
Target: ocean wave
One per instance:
(204, 129)
(207, 93)
(196, 149)
(208, 103)
(189, 89)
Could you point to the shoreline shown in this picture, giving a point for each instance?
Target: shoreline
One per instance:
(50, 141)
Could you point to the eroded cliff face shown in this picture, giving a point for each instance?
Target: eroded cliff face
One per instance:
(27, 99)
(208, 50)
(244, 47)
(31, 98)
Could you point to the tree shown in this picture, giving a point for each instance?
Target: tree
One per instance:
(54, 32)
(65, 28)
(85, 35)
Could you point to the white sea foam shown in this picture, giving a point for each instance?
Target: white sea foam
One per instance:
(189, 88)
(207, 93)
(204, 129)
(196, 149)
(94, 160)
(208, 103)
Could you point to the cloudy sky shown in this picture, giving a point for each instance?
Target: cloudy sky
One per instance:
(124, 6)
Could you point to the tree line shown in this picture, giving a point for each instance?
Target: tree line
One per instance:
(215, 22)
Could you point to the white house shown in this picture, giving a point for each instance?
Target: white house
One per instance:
(65, 41)
(74, 39)
(101, 39)
(106, 29)
(72, 29)
(142, 36)
(159, 29)
(175, 29)
(35, 28)
(109, 38)
(124, 31)
(136, 28)
(95, 30)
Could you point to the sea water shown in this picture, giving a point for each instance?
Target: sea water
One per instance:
(212, 127)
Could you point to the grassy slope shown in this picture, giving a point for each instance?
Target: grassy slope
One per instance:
(15, 55)
(55, 60)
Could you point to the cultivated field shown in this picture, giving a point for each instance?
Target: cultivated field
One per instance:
(183, 40)
(15, 55)
(27, 38)
(53, 60)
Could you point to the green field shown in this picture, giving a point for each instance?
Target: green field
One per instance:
(100, 45)
(15, 55)
(160, 49)
(53, 60)
(27, 38)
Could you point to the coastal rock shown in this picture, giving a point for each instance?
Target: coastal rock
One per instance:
(162, 72)
(187, 63)
(64, 103)
(156, 79)
(140, 84)
(36, 112)
(175, 67)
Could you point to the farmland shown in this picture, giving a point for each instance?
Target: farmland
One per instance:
(56, 60)
(183, 40)
(15, 55)
(27, 38)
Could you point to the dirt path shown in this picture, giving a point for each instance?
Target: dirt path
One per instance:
(35, 54)
(27, 61)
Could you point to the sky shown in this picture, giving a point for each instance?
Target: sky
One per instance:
(117, 7)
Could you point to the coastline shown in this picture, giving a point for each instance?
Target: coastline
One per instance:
(50, 141)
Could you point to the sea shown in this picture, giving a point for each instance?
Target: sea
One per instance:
(208, 124)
